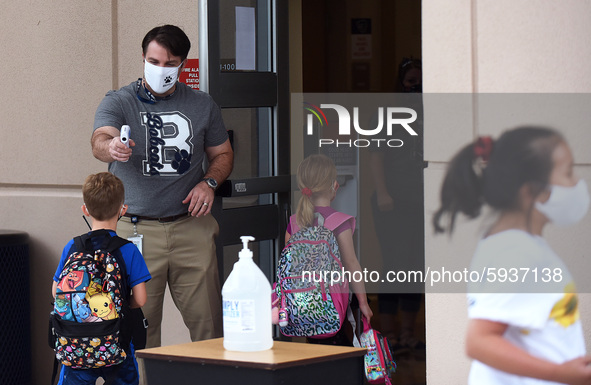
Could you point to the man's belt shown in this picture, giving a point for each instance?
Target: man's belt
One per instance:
(161, 219)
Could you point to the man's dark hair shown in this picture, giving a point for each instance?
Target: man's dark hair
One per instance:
(170, 37)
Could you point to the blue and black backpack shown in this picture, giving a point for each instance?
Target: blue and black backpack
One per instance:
(91, 324)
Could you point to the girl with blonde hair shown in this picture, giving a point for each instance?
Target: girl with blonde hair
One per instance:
(317, 180)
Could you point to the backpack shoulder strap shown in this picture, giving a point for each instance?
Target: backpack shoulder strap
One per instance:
(294, 224)
(115, 243)
(331, 222)
(78, 245)
(336, 219)
(110, 243)
(112, 246)
(84, 241)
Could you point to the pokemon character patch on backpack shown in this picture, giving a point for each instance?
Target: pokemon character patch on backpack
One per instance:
(92, 299)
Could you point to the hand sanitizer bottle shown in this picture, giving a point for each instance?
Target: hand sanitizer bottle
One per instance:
(246, 298)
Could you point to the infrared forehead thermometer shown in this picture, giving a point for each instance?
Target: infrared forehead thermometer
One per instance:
(125, 135)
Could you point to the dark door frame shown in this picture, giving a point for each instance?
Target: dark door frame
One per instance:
(252, 90)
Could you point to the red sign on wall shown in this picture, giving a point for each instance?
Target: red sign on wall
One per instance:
(190, 73)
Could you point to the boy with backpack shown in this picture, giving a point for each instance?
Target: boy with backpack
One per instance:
(100, 277)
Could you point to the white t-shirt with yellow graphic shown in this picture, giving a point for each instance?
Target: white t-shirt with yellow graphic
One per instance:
(537, 300)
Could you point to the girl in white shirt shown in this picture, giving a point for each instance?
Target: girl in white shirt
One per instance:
(521, 334)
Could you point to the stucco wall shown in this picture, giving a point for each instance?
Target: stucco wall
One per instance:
(59, 59)
(496, 47)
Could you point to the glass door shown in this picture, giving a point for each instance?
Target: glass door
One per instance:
(243, 55)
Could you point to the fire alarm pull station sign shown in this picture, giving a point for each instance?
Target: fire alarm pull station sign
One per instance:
(190, 73)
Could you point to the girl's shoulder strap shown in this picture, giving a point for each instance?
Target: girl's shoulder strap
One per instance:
(331, 222)
(293, 224)
(336, 219)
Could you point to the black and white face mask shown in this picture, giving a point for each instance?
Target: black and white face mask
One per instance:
(160, 79)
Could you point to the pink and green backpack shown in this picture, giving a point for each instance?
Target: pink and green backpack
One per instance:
(378, 362)
(312, 301)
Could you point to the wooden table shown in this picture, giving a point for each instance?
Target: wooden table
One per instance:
(207, 362)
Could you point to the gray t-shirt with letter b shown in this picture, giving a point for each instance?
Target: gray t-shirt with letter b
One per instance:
(170, 137)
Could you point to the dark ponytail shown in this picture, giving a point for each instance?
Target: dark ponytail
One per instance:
(461, 191)
(520, 156)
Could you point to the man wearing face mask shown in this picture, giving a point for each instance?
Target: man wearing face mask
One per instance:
(173, 130)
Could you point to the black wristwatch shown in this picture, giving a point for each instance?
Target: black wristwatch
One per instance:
(211, 182)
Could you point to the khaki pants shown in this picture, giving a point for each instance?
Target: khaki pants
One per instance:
(182, 254)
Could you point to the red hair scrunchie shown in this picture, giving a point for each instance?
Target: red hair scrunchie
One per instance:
(307, 192)
(483, 148)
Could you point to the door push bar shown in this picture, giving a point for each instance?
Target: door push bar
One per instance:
(255, 186)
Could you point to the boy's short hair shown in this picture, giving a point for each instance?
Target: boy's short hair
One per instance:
(103, 195)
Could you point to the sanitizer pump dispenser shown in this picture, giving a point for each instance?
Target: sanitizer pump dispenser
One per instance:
(246, 297)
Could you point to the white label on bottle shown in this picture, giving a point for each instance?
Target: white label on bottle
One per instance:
(239, 316)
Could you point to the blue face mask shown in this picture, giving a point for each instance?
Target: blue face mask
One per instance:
(566, 205)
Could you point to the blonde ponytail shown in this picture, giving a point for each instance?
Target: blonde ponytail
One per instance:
(305, 212)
